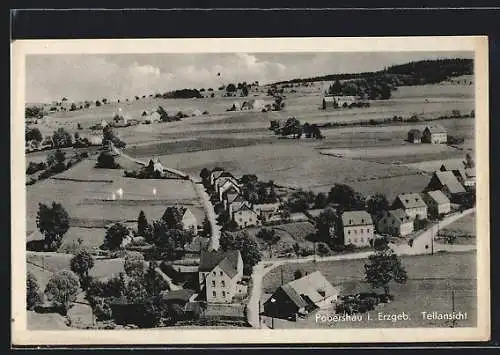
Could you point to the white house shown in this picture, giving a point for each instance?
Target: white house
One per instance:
(189, 221)
(214, 174)
(338, 101)
(229, 196)
(435, 134)
(224, 184)
(437, 202)
(357, 228)
(236, 204)
(396, 223)
(245, 216)
(219, 274)
(301, 296)
(412, 204)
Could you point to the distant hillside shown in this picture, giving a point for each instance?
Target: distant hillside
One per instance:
(413, 73)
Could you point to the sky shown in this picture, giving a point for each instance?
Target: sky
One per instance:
(119, 76)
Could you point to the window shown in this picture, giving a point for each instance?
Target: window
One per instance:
(214, 294)
(362, 230)
(348, 232)
(223, 283)
(355, 231)
(213, 283)
(221, 273)
(355, 240)
(214, 273)
(224, 294)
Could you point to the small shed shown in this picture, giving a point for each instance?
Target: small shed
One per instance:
(415, 136)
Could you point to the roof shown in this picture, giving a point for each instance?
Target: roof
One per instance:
(411, 200)
(436, 128)
(329, 99)
(182, 294)
(314, 287)
(448, 179)
(415, 131)
(401, 215)
(244, 206)
(451, 167)
(438, 196)
(267, 206)
(227, 261)
(356, 218)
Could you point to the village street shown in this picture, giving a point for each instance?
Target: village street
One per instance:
(264, 267)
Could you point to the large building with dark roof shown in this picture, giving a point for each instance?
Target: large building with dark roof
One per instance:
(219, 274)
(301, 296)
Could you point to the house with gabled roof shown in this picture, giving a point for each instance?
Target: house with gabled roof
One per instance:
(465, 176)
(245, 216)
(302, 296)
(215, 173)
(448, 183)
(396, 223)
(434, 134)
(412, 204)
(266, 211)
(219, 274)
(229, 196)
(357, 228)
(437, 203)
(225, 184)
(189, 221)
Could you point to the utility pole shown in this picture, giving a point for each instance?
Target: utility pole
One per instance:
(260, 321)
(281, 269)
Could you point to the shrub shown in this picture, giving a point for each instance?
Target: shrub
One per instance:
(106, 161)
(323, 249)
(35, 167)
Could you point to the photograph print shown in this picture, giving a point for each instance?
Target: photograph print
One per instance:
(306, 191)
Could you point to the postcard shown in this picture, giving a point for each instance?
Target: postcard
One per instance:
(250, 191)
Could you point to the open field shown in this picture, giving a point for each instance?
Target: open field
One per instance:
(465, 225)
(305, 168)
(45, 321)
(395, 155)
(431, 279)
(54, 262)
(87, 195)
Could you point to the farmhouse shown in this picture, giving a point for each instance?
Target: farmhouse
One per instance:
(236, 204)
(338, 101)
(224, 184)
(437, 203)
(415, 136)
(464, 177)
(434, 134)
(266, 210)
(214, 174)
(245, 216)
(357, 228)
(396, 223)
(448, 183)
(180, 297)
(189, 220)
(412, 204)
(219, 274)
(229, 196)
(254, 104)
(301, 296)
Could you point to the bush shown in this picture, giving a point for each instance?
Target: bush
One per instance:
(106, 161)
(35, 167)
(323, 250)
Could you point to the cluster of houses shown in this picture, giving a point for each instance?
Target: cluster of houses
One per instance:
(252, 105)
(340, 101)
(433, 134)
(447, 185)
(243, 213)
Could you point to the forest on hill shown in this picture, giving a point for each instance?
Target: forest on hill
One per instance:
(379, 85)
